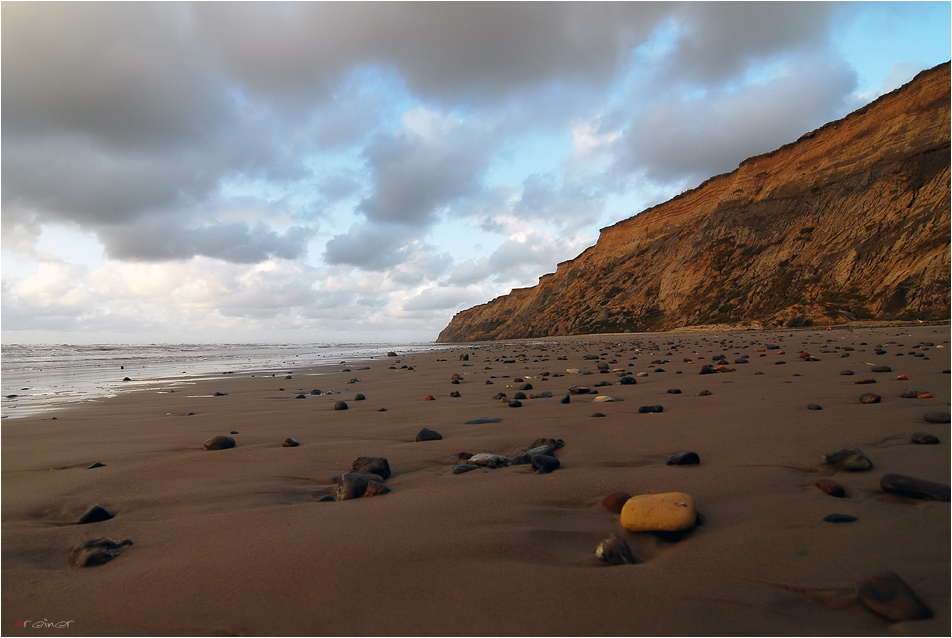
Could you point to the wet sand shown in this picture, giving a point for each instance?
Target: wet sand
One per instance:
(240, 542)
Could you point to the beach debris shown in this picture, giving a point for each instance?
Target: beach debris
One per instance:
(372, 465)
(615, 501)
(426, 434)
(869, 397)
(651, 408)
(614, 550)
(543, 463)
(219, 442)
(665, 512)
(290, 442)
(914, 487)
(462, 468)
(839, 518)
(850, 459)
(95, 513)
(341, 405)
(96, 551)
(483, 419)
(887, 595)
(683, 457)
(937, 417)
(830, 487)
(354, 484)
(924, 438)
(486, 459)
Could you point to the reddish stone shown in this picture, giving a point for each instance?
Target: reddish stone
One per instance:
(429, 397)
(869, 397)
(614, 502)
(902, 377)
(830, 487)
(864, 381)
(375, 488)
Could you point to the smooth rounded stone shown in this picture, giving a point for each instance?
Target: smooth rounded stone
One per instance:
(372, 465)
(485, 459)
(937, 417)
(540, 449)
(869, 397)
(615, 501)
(394, 354)
(847, 373)
(95, 513)
(519, 396)
(674, 391)
(889, 596)
(96, 551)
(515, 403)
(850, 459)
(455, 394)
(666, 512)
(830, 487)
(95, 465)
(814, 406)
(301, 396)
(290, 442)
(881, 369)
(341, 405)
(543, 464)
(704, 393)
(598, 415)
(462, 468)
(839, 518)
(221, 394)
(315, 392)
(683, 457)
(614, 550)
(579, 389)
(924, 438)
(354, 484)
(526, 387)
(359, 397)
(543, 395)
(220, 442)
(707, 369)
(376, 488)
(641, 374)
(483, 419)
(651, 408)
(565, 399)
(603, 398)
(426, 434)
(627, 380)
(914, 393)
(914, 488)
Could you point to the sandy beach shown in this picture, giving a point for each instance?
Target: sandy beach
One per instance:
(251, 540)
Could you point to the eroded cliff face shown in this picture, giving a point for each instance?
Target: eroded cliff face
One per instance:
(849, 222)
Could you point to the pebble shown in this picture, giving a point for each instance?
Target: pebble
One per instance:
(847, 373)
(359, 397)
(937, 417)
(340, 405)
(674, 391)
(483, 419)
(865, 381)
(683, 457)
(462, 468)
(814, 406)
(666, 512)
(915, 393)
(881, 369)
(96, 551)
(615, 501)
(598, 415)
(95, 465)
(704, 393)
(290, 442)
(354, 484)
(429, 397)
(578, 389)
(924, 438)
(627, 380)
(839, 518)
(94, 514)
(615, 551)
(914, 488)
(220, 442)
(426, 434)
(372, 465)
(830, 487)
(566, 399)
(651, 408)
(869, 397)
(889, 596)
(602, 398)
(543, 463)
(485, 459)
(515, 403)
(850, 459)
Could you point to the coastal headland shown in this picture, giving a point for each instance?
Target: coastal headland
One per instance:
(494, 517)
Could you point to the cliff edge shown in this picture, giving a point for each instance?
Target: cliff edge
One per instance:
(849, 222)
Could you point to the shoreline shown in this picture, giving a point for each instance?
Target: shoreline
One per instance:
(244, 540)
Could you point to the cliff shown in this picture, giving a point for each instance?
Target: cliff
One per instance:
(849, 222)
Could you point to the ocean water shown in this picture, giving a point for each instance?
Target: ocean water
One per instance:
(45, 378)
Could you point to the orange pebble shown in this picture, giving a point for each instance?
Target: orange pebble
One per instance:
(429, 397)
(927, 395)
(902, 377)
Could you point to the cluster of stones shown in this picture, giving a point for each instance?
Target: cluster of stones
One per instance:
(540, 455)
(366, 478)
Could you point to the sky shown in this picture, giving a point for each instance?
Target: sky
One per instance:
(360, 172)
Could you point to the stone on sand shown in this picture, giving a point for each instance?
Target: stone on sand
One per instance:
(665, 512)
(95, 513)
(614, 550)
(887, 595)
(96, 551)
(220, 442)
(426, 434)
(372, 465)
(850, 459)
(914, 487)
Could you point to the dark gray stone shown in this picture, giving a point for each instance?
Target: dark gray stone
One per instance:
(220, 442)
(462, 468)
(543, 464)
(94, 514)
(426, 434)
(651, 408)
